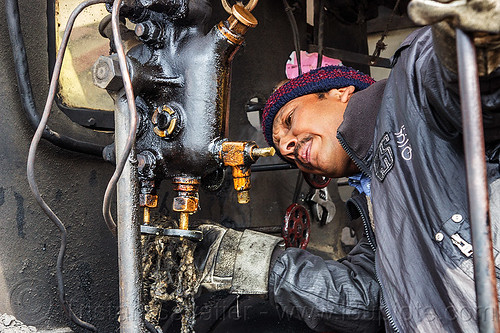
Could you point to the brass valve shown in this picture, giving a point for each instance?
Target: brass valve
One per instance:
(249, 6)
(239, 155)
(237, 24)
(186, 201)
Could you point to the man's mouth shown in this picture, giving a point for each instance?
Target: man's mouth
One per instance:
(303, 153)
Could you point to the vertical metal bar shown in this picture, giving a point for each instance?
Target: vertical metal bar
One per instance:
(472, 121)
(131, 310)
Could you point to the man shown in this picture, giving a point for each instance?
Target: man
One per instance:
(413, 268)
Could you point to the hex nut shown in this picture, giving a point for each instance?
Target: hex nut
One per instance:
(106, 73)
(148, 200)
(185, 204)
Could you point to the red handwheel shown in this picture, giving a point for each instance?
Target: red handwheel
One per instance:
(296, 226)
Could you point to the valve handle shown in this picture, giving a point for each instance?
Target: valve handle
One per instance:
(249, 6)
(296, 226)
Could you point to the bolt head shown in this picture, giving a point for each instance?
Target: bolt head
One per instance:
(185, 204)
(106, 73)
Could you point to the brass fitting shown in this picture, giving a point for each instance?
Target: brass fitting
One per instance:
(249, 6)
(186, 201)
(239, 155)
(147, 201)
(235, 27)
(165, 121)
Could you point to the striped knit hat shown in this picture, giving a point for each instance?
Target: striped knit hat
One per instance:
(319, 80)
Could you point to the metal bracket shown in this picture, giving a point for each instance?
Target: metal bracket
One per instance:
(189, 234)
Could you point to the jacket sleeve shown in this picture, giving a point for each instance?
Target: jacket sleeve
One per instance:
(328, 295)
(436, 89)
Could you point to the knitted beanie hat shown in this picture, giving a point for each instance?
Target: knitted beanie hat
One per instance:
(319, 80)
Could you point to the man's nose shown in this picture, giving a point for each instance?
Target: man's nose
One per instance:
(287, 146)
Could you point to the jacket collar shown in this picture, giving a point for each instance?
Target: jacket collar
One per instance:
(356, 131)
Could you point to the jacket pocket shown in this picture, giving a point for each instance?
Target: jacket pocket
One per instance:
(455, 241)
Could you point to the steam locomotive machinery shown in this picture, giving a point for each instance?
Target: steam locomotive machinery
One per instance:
(181, 80)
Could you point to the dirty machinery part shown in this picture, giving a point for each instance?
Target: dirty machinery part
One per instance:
(181, 81)
(169, 275)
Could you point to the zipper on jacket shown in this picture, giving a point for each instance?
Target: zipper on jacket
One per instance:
(361, 166)
(384, 305)
(370, 236)
(462, 244)
(366, 224)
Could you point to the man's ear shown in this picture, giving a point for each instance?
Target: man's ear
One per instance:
(346, 93)
(343, 94)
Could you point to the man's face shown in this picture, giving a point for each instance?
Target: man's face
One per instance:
(305, 129)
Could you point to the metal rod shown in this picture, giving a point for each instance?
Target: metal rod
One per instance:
(127, 195)
(132, 127)
(273, 229)
(321, 28)
(272, 167)
(472, 120)
(358, 58)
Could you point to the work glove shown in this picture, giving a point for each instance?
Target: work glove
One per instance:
(235, 261)
(481, 18)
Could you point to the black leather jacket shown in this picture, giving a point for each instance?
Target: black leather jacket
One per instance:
(423, 281)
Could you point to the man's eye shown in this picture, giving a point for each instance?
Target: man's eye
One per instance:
(288, 120)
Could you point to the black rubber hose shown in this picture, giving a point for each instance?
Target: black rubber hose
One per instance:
(26, 93)
(295, 33)
(321, 28)
(30, 167)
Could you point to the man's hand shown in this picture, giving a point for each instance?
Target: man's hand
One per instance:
(471, 15)
(214, 258)
(233, 260)
(480, 18)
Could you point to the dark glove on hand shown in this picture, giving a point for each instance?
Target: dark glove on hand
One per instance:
(234, 260)
(481, 18)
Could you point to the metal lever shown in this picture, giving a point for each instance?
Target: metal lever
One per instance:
(473, 136)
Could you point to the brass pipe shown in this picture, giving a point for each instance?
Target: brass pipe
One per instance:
(239, 155)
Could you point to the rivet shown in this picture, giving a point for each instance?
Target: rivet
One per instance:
(439, 236)
(457, 218)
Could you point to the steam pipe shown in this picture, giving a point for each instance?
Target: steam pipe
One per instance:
(131, 309)
(472, 122)
(125, 178)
